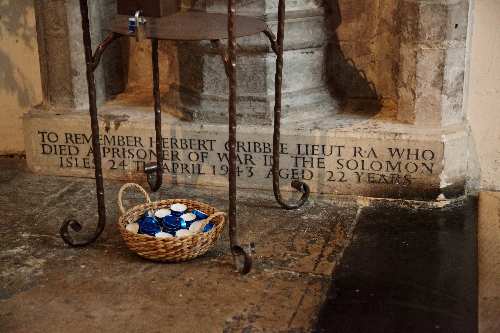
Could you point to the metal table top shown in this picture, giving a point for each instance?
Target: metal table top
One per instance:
(191, 26)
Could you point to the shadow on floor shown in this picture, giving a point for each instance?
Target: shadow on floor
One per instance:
(407, 271)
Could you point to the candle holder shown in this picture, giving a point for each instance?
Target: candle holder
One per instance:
(187, 26)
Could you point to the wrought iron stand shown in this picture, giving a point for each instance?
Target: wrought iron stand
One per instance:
(188, 26)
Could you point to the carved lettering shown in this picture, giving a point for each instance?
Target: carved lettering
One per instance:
(204, 158)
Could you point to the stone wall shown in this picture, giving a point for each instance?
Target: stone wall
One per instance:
(407, 55)
(364, 49)
(432, 61)
(405, 58)
(20, 86)
(62, 57)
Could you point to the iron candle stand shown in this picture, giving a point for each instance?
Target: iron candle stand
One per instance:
(188, 26)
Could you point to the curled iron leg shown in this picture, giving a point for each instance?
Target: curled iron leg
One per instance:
(277, 46)
(92, 61)
(242, 258)
(154, 171)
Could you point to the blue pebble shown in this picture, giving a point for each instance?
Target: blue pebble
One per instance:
(172, 223)
(208, 227)
(182, 223)
(149, 225)
(199, 214)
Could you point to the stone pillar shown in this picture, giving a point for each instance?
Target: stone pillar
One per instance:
(201, 89)
(53, 44)
(432, 61)
(62, 57)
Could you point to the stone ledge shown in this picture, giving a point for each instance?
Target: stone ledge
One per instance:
(339, 154)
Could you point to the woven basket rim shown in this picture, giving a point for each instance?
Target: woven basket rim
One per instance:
(173, 249)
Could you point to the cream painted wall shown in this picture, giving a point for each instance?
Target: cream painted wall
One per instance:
(20, 85)
(484, 90)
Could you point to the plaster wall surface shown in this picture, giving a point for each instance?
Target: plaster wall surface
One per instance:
(20, 86)
(484, 90)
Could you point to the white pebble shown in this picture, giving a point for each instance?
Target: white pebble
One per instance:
(178, 207)
(196, 227)
(161, 213)
(163, 235)
(133, 228)
(188, 217)
(183, 233)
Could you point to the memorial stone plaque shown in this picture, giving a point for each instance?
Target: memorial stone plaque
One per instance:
(329, 161)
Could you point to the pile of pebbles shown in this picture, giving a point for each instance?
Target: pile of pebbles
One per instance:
(175, 221)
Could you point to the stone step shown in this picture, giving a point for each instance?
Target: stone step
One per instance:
(340, 154)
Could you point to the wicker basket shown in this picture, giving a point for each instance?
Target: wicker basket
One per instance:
(168, 249)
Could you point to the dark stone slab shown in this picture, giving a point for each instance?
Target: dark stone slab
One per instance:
(407, 270)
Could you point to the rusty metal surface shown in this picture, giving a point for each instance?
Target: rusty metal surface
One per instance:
(96, 58)
(192, 26)
(242, 259)
(277, 46)
(154, 171)
(92, 60)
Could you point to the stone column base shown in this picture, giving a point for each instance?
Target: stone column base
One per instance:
(344, 154)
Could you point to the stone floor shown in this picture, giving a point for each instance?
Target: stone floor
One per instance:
(46, 286)
(407, 270)
(340, 264)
